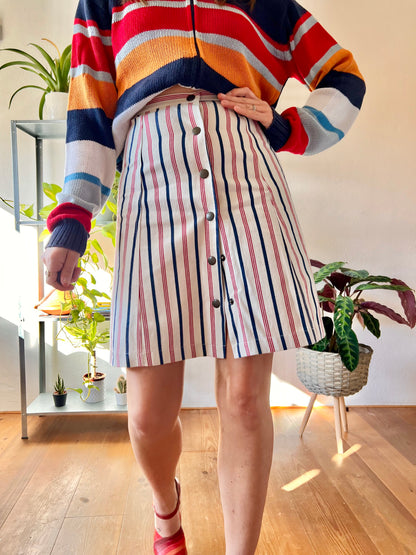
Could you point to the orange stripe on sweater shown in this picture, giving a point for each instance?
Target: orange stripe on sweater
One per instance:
(340, 61)
(130, 72)
(87, 92)
(234, 67)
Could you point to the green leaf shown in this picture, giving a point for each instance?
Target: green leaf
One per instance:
(52, 65)
(370, 279)
(357, 274)
(99, 317)
(97, 246)
(51, 190)
(45, 233)
(112, 206)
(322, 299)
(46, 210)
(344, 310)
(327, 270)
(367, 286)
(371, 323)
(28, 212)
(82, 281)
(349, 350)
(320, 345)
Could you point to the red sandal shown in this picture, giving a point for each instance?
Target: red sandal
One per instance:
(171, 545)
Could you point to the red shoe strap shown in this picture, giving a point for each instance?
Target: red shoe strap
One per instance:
(176, 509)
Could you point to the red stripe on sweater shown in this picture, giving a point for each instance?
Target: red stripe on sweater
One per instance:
(92, 52)
(312, 47)
(150, 19)
(298, 139)
(72, 211)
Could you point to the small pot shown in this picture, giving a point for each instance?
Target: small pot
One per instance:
(121, 399)
(56, 105)
(59, 399)
(93, 395)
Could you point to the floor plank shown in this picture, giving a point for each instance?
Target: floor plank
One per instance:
(75, 488)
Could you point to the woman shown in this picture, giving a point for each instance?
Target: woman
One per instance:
(210, 260)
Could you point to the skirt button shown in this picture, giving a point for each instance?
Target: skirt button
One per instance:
(190, 97)
(204, 173)
(216, 303)
(212, 260)
(210, 216)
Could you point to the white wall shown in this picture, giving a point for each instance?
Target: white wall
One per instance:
(356, 202)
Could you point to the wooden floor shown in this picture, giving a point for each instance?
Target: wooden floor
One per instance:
(74, 488)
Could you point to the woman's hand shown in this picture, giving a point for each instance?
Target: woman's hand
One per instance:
(245, 102)
(61, 267)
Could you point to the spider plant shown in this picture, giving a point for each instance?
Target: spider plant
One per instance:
(54, 72)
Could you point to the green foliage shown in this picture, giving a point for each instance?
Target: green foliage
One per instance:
(59, 385)
(121, 385)
(340, 295)
(86, 326)
(53, 72)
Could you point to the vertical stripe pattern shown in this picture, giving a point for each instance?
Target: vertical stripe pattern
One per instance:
(208, 241)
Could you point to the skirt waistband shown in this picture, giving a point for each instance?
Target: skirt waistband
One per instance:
(168, 99)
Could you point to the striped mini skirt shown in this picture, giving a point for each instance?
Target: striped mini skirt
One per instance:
(208, 243)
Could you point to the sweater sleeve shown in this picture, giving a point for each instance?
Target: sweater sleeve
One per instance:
(90, 151)
(336, 85)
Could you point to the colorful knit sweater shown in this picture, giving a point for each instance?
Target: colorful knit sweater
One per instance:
(123, 56)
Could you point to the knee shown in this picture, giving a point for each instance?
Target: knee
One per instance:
(149, 425)
(244, 407)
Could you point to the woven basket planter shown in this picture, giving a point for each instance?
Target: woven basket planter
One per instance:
(325, 374)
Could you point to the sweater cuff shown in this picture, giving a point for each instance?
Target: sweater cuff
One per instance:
(278, 132)
(70, 234)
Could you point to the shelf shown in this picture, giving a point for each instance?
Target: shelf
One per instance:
(43, 129)
(44, 405)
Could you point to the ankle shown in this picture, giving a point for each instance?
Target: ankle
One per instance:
(166, 509)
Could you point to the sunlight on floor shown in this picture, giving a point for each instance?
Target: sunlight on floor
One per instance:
(338, 458)
(301, 480)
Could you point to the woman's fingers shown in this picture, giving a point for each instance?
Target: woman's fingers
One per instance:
(61, 267)
(245, 102)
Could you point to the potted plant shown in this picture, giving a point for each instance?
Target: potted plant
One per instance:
(338, 365)
(121, 391)
(83, 328)
(54, 72)
(60, 394)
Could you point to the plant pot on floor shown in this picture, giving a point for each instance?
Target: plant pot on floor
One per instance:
(324, 373)
(59, 399)
(94, 394)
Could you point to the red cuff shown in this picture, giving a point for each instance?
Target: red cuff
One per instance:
(298, 140)
(69, 210)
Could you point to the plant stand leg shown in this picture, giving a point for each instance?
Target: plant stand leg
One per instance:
(338, 432)
(307, 413)
(343, 411)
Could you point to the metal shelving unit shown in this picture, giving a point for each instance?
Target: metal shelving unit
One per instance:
(43, 404)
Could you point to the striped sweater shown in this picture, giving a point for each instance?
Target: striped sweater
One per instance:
(123, 56)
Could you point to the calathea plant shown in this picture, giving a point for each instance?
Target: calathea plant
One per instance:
(340, 292)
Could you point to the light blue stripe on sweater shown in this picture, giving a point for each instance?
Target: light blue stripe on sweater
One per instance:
(324, 121)
(90, 178)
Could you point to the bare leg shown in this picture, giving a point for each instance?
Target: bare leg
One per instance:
(154, 399)
(246, 447)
